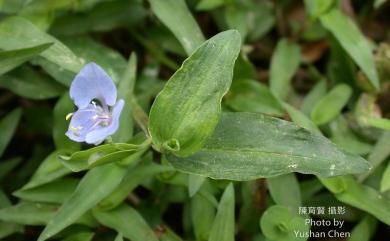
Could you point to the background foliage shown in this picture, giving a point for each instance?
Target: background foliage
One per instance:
(197, 167)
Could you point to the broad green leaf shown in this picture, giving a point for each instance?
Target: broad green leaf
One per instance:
(279, 223)
(286, 58)
(205, 5)
(172, 12)
(364, 230)
(353, 41)
(331, 104)
(17, 33)
(127, 221)
(7, 165)
(251, 96)
(187, 110)
(8, 126)
(63, 107)
(359, 196)
(82, 236)
(318, 7)
(132, 179)
(223, 225)
(31, 84)
(54, 192)
(89, 192)
(101, 155)
(195, 183)
(385, 181)
(289, 197)
(125, 92)
(49, 170)
(311, 99)
(247, 146)
(13, 58)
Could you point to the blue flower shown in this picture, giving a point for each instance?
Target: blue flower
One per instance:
(94, 93)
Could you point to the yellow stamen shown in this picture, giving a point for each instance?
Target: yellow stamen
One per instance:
(68, 116)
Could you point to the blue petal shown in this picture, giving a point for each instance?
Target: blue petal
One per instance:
(99, 134)
(92, 82)
(81, 123)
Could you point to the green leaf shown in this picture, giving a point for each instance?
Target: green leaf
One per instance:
(289, 197)
(125, 92)
(187, 110)
(379, 3)
(8, 165)
(169, 235)
(364, 230)
(17, 33)
(311, 99)
(300, 119)
(331, 104)
(83, 236)
(28, 213)
(195, 182)
(49, 170)
(318, 7)
(248, 146)
(119, 237)
(132, 179)
(127, 221)
(223, 225)
(31, 84)
(88, 50)
(172, 12)
(279, 223)
(251, 96)
(54, 192)
(353, 41)
(101, 155)
(385, 181)
(13, 58)
(359, 196)
(286, 58)
(381, 123)
(63, 107)
(8, 126)
(89, 192)
(205, 5)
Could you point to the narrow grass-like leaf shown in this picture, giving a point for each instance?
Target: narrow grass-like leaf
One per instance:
(172, 12)
(18, 32)
(311, 99)
(127, 221)
(288, 197)
(300, 119)
(13, 58)
(205, 5)
(83, 236)
(195, 183)
(331, 104)
(364, 230)
(7, 128)
(385, 181)
(360, 196)
(287, 58)
(50, 169)
(31, 84)
(223, 226)
(7, 165)
(187, 110)
(100, 155)
(95, 185)
(353, 41)
(28, 213)
(54, 192)
(247, 146)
